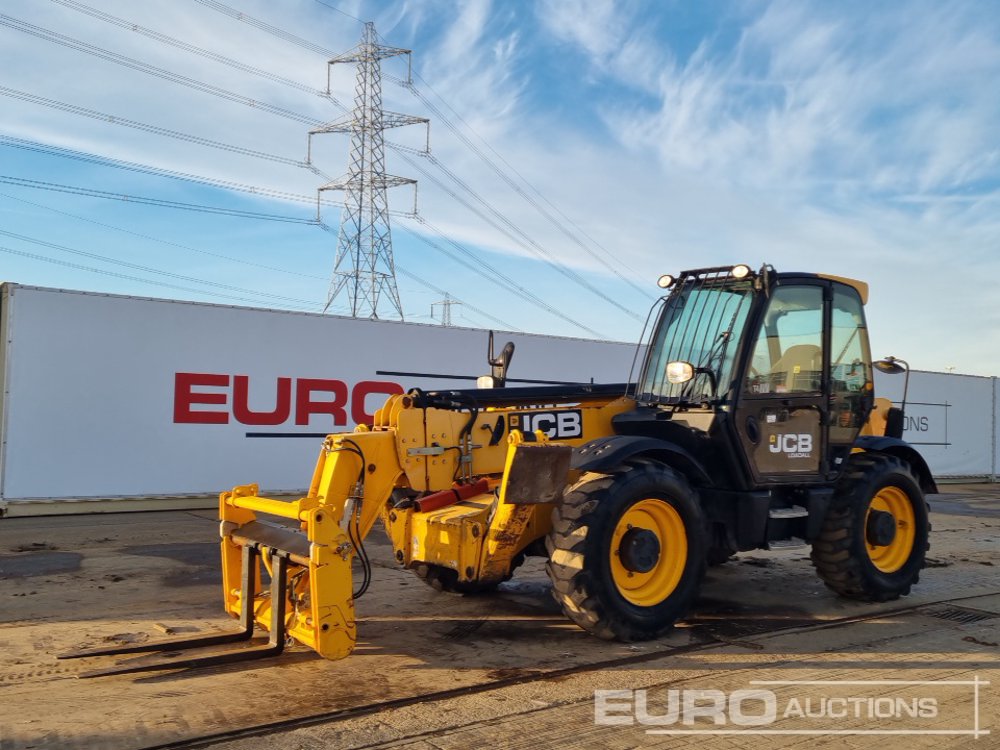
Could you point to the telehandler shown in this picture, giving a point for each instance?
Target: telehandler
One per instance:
(751, 424)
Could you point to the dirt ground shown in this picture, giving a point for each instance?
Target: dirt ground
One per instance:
(435, 671)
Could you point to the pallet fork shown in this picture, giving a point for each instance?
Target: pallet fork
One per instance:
(175, 659)
(307, 554)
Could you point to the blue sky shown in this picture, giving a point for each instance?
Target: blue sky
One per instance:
(850, 138)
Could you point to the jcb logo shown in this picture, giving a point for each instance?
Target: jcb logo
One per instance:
(796, 446)
(556, 425)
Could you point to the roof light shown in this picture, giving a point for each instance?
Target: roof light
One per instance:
(665, 281)
(740, 272)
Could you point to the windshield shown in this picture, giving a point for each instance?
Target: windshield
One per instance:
(701, 323)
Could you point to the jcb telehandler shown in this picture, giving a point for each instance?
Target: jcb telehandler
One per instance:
(752, 424)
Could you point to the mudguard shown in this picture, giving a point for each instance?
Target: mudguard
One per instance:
(604, 454)
(901, 449)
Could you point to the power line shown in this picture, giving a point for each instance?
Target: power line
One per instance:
(76, 44)
(170, 204)
(195, 50)
(521, 238)
(510, 182)
(272, 30)
(506, 178)
(342, 12)
(143, 200)
(104, 272)
(154, 129)
(108, 161)
(493, 275)
(148, 269)
(532, 245)
(161, 241)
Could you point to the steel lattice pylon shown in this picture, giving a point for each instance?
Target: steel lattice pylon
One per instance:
(364, 267)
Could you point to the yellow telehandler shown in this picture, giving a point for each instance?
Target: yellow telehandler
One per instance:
(751, 424)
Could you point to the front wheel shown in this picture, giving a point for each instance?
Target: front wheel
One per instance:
(627, 551)
(875, 535)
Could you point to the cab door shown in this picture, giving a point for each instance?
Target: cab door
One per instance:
(781, 413)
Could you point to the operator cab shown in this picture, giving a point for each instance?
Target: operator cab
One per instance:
(764, 376)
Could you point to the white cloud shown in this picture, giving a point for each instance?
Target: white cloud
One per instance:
(597, 26)
(828, 138)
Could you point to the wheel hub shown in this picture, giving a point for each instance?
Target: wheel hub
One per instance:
(639, 550)
(648, 553)
(880, 529)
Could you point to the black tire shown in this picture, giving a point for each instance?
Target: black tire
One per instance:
(446, 580)
(580, 551)
(843, 554)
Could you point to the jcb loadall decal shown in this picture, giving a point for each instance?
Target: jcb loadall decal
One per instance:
(790, 441)
(793, 446)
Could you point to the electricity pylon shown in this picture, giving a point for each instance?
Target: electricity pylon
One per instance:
(445, 305)
(364, 268)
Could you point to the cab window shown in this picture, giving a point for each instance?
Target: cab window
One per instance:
(850, 365)
(788, 355)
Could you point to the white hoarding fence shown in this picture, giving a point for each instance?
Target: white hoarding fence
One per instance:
(995, 468)
(951, 419)
(111, 396)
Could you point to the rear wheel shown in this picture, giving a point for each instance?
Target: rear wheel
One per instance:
(875, 535)
(627, 551)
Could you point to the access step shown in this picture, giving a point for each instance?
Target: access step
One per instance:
(796, 511)
(790, 543)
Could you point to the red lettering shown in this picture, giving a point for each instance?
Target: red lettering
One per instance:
(241, 403)
(185, 397)
(305, 406)
(307, 402)
(362, 391)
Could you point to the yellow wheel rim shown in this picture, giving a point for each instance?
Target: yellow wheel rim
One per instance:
(650, 588)
(893, 556)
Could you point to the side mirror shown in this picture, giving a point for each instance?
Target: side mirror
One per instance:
(891, 366)
(679, 372)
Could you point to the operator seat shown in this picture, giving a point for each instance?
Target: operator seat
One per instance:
(800, 368)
